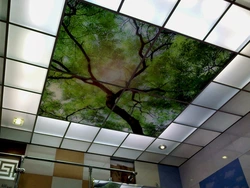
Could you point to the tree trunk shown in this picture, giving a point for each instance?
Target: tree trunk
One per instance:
(134, 123)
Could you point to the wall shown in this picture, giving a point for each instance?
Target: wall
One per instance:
(233, 143)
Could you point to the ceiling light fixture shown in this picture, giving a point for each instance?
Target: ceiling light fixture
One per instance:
(18, 121)
(224, 157)
(162, 147)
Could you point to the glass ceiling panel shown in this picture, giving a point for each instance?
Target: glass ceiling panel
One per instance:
(51, 126)
(215, 95)
(151, 157)
(3, 9)
(2, 37)
(220, 121)
(127, 153)
(194, 115)
(16, 135)
(232, 32)
(196, 18)
(154, 147)
(110, 137)
(102, 149)
(177, 132)
(137, 142)
(8, 117)
(201, 137)
(24, 76)
(240, 104)
(21, 100)
(46, 140)
(152, 11)
(110, 4)
(29, 46)
(75, 145)
(236, 73)
(43, 15)
(81, 132)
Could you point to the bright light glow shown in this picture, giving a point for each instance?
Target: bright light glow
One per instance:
(110, 4)
(29, 46)
(195, 18)
(224, 157)
(152, 11)
(162, 147)
(18, 121)
(41, 15)
(232, 32)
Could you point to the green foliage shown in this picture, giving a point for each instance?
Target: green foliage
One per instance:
(98, 53)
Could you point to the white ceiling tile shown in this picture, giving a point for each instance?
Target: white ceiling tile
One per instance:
(236, 73)
(201, 137)
(192, 14)
(82, 132)
(3, 9)
(232, 32)
(110, 137)
(151, 157)
(24, 76)
(240, 104)
(173, 161)
(102, 149)
(154, 147)
(16, 135)
(21, 100)
(194, 115)
(75, 145)
(244, 2)
(185, 150)
(247, 87)
(46, 140)
(2, 36)
(215, 95)
(246, 50)
(139, 142)
(8, 117)
(29, 46)
(43, 15)
(51, 126)
(177, 132)
(152, 11)
(1, 70)
(40, 151)
(110, 4)
(127, 153)
(220, 121)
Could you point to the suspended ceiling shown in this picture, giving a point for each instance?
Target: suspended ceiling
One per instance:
(121, 78)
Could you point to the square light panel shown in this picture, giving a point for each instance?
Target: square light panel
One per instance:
(152, 11)
(29, 46)
(232, 32)
(82, 132)
(9, 115)
(151, 157)
(127, 153)
(236, 73)
(215, 95)
(137, 142)
(43, 15)
(51, 126)
(24, 76)
(102, 149)
(46, 140)
(20, 100)
(3, 9)
(177, 132)
(201, 137)
(196, 17)
(110, 137)
(75, 145)
(194, 116)
(110, 4)
(2, 36)
(170, 145)
(220, 121)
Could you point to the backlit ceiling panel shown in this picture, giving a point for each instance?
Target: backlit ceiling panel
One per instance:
(119, 73)
(119, 78)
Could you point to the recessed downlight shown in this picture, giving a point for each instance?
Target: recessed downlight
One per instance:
(162, 147)
(224, 157)
(18, 121)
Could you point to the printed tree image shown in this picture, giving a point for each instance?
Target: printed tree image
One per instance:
(116, 72)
